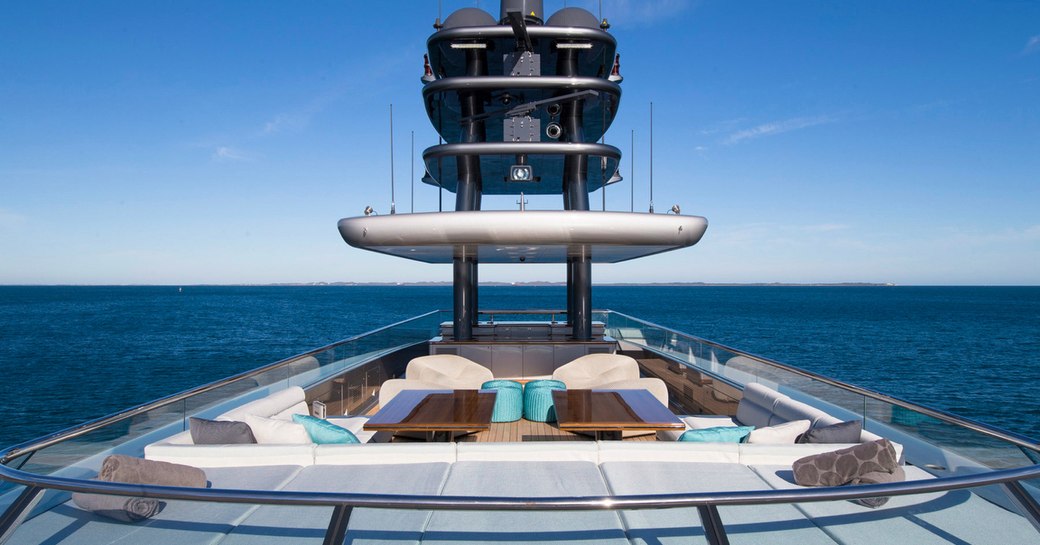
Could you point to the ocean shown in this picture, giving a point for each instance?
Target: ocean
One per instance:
(70, 354)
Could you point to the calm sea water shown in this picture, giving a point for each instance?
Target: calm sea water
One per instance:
(69, 354)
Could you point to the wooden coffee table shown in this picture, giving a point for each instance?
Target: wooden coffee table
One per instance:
(437, 413)
(608, 413)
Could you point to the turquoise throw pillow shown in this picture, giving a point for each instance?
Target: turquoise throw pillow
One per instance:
(324, 432)
(721, 434)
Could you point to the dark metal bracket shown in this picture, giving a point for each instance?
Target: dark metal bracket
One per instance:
(523, 39)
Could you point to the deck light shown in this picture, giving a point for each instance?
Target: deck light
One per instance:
(521, 173)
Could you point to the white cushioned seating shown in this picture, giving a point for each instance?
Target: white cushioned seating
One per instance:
(762, 407)
(385, 453)
(756, 406)
(448, 371)
(533, 451)
(957, 516)
(594, 370)
(286, 524)
(752, 525)
(179, 523)
(279, 406)
(539, 479)
(212, 456)
(674, 451)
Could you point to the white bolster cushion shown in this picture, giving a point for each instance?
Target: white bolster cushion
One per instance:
(272, 431)
(385, 453)
(779, 434)
(535, 451)
(231, 455)
(660, 451)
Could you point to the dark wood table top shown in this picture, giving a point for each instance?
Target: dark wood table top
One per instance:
(435, 410)
(612, 410)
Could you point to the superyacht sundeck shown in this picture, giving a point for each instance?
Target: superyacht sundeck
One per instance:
(568, 425)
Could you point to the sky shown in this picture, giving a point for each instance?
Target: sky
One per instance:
(220, 142)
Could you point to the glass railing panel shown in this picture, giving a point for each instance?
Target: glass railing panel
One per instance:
(947, 448)
(79, 453)
(941, 443)
(78, 456)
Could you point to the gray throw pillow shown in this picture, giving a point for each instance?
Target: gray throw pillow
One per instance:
(844, 432)
(219, 432)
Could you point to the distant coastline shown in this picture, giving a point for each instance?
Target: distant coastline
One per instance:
(639, 284)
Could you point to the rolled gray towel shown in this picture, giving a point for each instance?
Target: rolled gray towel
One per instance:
(127, 469)
(121, 508)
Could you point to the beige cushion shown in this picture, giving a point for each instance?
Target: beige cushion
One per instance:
(779, 434)
(448, 371)
(595, 370)
(270, 430)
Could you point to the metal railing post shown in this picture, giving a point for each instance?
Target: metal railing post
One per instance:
(714, 531)
(18, 510)
(1025, 502)
(337, 531)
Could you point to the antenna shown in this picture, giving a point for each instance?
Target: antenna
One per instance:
(603, 140)
(632, 168)
(651, 157)
(412, 176)
(393, 203)
(440, 184)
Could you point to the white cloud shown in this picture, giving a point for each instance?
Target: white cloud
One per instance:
(226, 153)
(777, 127)
(283, 122)
(1032, 45)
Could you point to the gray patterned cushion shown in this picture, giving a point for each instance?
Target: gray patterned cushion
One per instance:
(866, 463)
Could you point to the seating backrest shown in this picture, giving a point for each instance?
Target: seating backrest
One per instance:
(756, 407)
(787, 410)
(282, 405)
(592, 370)
(448, 370)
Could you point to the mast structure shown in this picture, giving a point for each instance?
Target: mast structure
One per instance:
(511, 100)
(521, 104)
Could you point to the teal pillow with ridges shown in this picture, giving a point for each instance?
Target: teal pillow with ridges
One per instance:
(324, 432)
(720, 434)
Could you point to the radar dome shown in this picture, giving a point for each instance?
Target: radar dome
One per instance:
(573, 17)
(469, 17)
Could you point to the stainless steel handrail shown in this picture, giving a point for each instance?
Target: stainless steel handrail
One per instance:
(572, 503)
(938, 414)
(89, 426)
